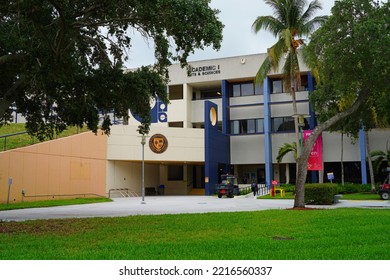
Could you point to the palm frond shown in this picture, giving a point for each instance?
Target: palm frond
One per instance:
(263, 71)
(312, 25)
(285, 149)
(311, 10)
(267, 23)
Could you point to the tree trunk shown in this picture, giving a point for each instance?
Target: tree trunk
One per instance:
(371, 169)
(299, 201)
(342, 158)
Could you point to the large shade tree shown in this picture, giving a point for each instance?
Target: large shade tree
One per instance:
(292, 22)
(61, 61)
(349, 51)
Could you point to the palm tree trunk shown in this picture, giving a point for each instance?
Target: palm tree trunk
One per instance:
(342, 158)
(371, 169)
(295, 111)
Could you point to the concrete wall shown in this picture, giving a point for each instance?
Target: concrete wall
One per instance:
(184, 145)
(66, 166)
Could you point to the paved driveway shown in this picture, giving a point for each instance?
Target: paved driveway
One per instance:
(156, 205)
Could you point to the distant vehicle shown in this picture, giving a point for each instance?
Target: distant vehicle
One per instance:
(384, 189)
(226, 187)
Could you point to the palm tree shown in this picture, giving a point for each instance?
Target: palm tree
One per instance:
(284, 150)
(380, 157)
(291, 22)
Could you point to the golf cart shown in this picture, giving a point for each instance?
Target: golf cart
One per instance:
(226, 187)
(384, 189)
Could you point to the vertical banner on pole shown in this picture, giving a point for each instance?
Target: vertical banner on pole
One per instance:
(315, 158)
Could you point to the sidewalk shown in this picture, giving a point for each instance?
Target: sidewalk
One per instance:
(157, 205)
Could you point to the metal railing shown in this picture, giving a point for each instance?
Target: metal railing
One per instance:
(124, 192)
(59, 195)
(11, 135)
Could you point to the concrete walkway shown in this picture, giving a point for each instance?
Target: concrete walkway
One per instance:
(156, 205)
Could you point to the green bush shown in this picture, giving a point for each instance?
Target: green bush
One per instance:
(320, 194)
(288, 188)
(353, 188)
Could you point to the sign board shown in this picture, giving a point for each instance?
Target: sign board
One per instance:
(330, 176)
(274, 182)
(315, 158)
(10, 181)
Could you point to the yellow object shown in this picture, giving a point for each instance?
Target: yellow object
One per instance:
(281, 191)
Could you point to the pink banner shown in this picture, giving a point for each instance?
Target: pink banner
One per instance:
(315, 158)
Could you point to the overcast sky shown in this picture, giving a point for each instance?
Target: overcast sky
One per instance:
(238, 37)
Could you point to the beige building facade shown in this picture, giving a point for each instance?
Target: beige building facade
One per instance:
(217, 121)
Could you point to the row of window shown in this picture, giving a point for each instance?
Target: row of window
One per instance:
(253, 126)
(276, 86)
(236, 89)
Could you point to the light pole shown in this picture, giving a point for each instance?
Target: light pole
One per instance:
(143, 142)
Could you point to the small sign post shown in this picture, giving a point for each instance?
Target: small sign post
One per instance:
(9, 188)
(330, 176)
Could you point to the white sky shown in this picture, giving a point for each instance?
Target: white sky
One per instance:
(238, 37)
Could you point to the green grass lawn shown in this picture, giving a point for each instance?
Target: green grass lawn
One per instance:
(23, 140)
(50, 203)
(352, 234)
(350, 196)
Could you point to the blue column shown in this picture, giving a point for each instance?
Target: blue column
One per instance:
(267, 134)
(363, 155)
(217, 149)
(225, 108)
(312, 121)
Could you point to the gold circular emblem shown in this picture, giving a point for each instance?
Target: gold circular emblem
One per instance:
(158, 143)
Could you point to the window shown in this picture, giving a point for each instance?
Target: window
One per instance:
(246, 89)
(259, 125)
(259, 90)
(175, 173)
(282, 124)
(175, 124)
(277, 86)
(176, 92)
(285, 124)
(235, 127)
(250, 126)
(210, 94)
(236, 90)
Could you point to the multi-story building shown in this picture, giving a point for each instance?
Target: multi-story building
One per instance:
(218, 121)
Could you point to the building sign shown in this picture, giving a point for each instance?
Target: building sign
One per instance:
(204, 70)
(315, 158)
(158, 143)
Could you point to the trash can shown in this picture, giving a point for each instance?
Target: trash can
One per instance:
(161, 189)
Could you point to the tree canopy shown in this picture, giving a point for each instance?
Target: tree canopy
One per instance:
(62, 61)
(349, 53)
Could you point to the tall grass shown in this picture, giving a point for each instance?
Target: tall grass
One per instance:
(353, 234)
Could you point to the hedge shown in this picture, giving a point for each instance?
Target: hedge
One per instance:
(320, 194)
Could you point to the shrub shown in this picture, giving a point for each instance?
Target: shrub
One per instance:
(320, 194)
(288, 188)
(353, 188)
